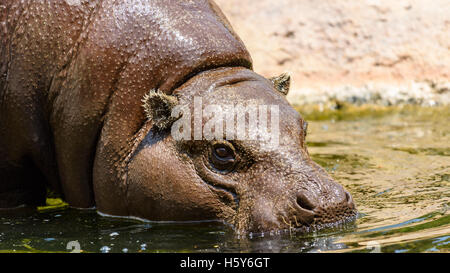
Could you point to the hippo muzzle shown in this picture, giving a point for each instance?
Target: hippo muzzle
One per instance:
(311, 201)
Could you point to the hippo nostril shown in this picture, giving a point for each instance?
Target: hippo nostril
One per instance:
(304, 202)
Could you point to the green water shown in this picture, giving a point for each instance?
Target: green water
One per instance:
(395, 163)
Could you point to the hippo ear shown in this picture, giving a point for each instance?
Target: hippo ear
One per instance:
(282, 83)
(158, 108)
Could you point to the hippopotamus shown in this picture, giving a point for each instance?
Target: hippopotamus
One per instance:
(87, 94)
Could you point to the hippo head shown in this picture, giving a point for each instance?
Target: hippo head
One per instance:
(258, 183)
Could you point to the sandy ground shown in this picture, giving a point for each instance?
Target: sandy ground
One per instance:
(376, 51)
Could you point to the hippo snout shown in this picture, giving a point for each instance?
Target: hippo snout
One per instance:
(314, 212)
(306, 211)
(304, 203)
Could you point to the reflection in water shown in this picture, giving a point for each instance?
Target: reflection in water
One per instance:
(397, 168)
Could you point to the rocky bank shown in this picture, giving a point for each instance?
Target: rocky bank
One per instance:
(373, 51)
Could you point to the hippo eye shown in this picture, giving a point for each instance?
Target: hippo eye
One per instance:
(223, 156)
(222, 152)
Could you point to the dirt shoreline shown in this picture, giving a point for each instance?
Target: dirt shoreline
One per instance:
(373, 51)
(385, 94)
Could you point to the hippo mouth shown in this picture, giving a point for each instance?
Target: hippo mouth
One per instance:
(296, 228)
(298, 218)
(326, 218)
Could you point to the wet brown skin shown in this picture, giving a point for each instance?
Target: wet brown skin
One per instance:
(72, 78)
